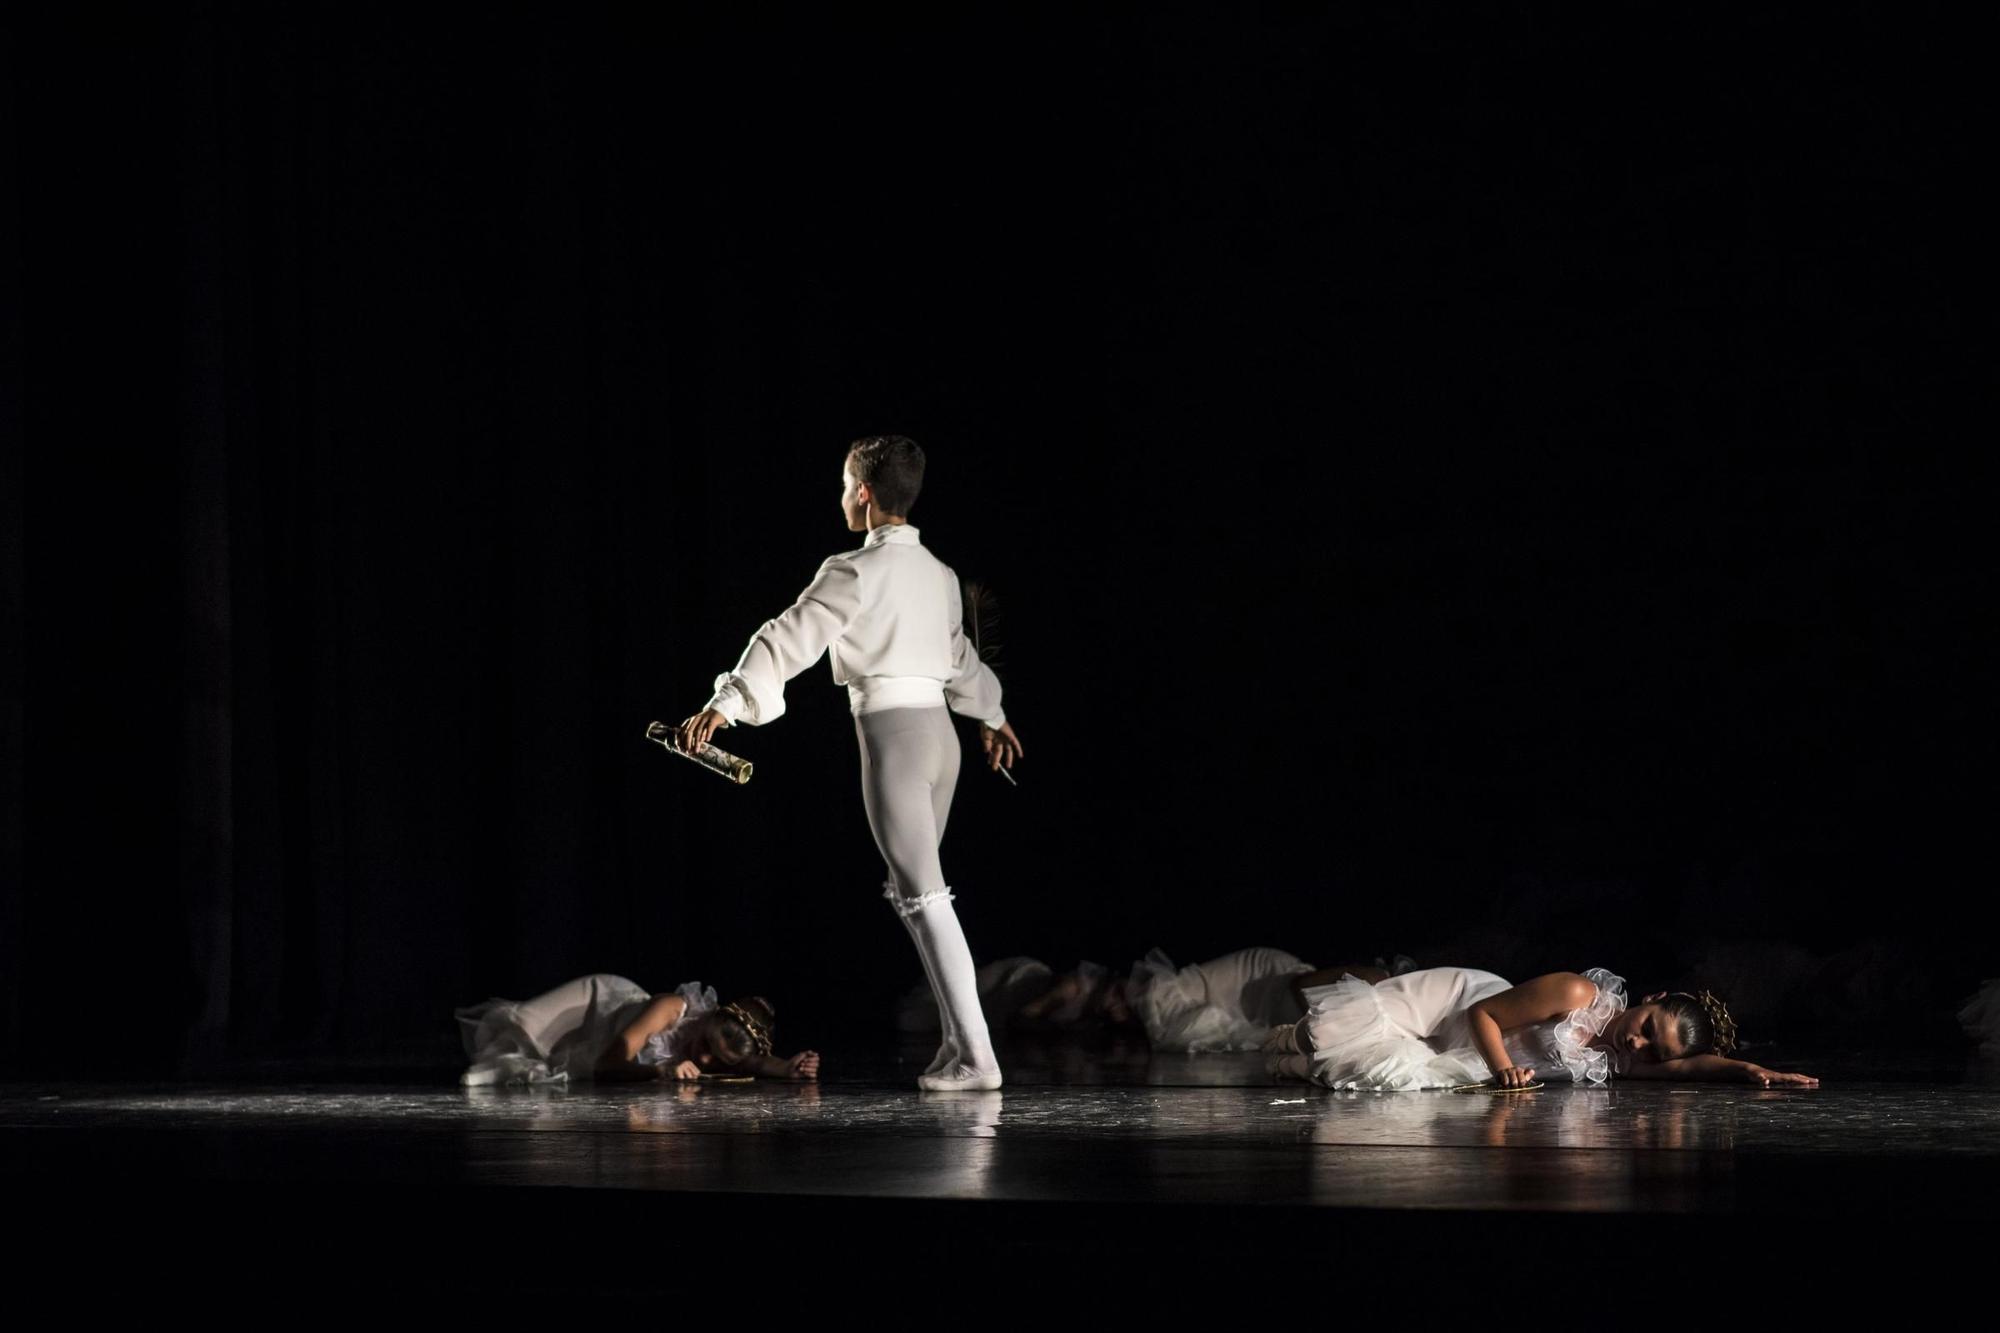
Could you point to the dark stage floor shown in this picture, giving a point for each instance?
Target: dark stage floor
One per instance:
(1084, 1156)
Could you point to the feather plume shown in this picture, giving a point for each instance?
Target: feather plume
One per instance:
(982, 616)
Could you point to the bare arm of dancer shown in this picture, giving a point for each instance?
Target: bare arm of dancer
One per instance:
(804, 1065)
(1716, 1068)
(621, 1056)
(1530, 1002)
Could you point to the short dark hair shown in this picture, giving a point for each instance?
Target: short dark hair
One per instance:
(893, 466)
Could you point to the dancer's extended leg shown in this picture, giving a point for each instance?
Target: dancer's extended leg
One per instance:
(909, 768)
(939, 938)
(947, 1051)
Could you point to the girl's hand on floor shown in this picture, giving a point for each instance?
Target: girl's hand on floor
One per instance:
(1515, 1077)
(687, 1069)
(1766, 1077)
(804, 1065)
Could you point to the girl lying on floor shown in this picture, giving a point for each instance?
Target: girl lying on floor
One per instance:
(1445, 1027)
(606, 1027)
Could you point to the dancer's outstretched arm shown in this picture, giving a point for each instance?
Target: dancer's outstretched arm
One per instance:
(803, 1066)
(754, 691)
(1717, 1068)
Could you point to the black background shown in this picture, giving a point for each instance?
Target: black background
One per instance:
(1485, 485)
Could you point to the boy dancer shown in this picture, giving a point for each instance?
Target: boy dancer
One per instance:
(889, 615)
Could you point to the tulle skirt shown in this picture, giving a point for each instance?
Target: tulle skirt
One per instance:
(1409, 1032)
(556, 1037)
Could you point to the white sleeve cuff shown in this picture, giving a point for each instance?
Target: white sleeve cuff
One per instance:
(727, 699)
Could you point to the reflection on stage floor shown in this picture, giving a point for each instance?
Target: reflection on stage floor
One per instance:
(1167, 1147)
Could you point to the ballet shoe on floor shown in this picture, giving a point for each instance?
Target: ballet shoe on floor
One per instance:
(947, 1056)
(961, 1078)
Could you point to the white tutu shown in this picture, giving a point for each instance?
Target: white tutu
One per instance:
(1373, 1037)
(1414, 1031)
(1226, 1004)
(560, 1035)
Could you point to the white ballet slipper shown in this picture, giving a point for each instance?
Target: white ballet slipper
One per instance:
(961, 1078)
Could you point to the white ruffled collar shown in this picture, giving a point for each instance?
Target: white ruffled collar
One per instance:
(1575, 1032)
(665, 1044)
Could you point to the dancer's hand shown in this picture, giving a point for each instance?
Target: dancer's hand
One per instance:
(1766, 1077)
(1002, 746)
(687, 1069)
(696, 730)
(1515, 1077)
(804, 1065)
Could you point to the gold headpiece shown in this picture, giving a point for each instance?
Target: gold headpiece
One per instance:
(760, 1035)
(1719, 1020)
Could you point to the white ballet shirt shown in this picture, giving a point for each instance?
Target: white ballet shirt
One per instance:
(889, 617)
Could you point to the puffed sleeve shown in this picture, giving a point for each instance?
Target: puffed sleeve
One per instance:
(754, 691)
(972, 690)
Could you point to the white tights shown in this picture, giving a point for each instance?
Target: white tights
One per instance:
(909, 769)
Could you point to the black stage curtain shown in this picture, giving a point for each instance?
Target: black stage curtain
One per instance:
(1470, 485)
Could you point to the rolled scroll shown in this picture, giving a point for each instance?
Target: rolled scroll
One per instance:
(713, 759)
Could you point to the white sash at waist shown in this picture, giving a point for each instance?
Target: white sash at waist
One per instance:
(872, 694)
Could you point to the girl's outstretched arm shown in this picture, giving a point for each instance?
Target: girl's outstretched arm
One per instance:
(1716, 1068)
(804, 1065)
(1530, 1002)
